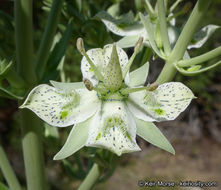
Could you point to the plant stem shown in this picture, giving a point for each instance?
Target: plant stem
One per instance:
(24, 40)
(47, 39)
(91, 178)
(200, 59)
(163, 26)
(8, 171)
(150, 10)
(169, 71)
(31, 128)
(32, 150)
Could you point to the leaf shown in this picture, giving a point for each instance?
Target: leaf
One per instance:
(150, 32)
(57, 54)
(149, 132)
(193, 73)
(11, 93)
(201, 37)
(139, 76)
(5, 66)
(3, 187)
(76, 140)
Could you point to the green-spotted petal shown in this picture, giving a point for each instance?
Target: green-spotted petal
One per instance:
(138, 77)
(149, 132)
(101, 58)
(165, 103)
(201, 37)
(62, 108)
(76, 140)
(113, 128)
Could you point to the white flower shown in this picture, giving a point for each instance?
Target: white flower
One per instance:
(116, 107)
(133, 31)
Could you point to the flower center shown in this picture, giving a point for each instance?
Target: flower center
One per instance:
(107, 95)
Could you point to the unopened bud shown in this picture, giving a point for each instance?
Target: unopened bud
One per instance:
(88, 84)
(187, 7)
(80, 46)
(153, 86)
(138, 44)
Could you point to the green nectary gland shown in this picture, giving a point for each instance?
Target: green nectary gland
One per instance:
(111, 96)
(111, 122)
(74, 102)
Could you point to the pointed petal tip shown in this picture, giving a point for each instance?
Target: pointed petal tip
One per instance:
(58, 157)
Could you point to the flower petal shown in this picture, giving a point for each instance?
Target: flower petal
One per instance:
(201, 37)
(139, 76)
(165, 103)
(61, 108)
(113, 128)
(76, 140)
(149, 132)
(67, 86)
(128, 41)
(100, 58)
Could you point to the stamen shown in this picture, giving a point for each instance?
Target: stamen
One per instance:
(136, 50)
(81, 49)
(88, 84)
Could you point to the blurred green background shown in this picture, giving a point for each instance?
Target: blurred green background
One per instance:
(195, 135)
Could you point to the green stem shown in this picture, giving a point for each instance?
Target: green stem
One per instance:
(200, 59)
(91, 178)
(175, 5)
(32, 150)
(8, 171)
(24, 40)
(31, 128)
(163, 26)
(48, 36)
(150, 10)
(169, 71)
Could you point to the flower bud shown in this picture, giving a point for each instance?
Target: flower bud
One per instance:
(153, 86)
(80, 46)
(138, 44)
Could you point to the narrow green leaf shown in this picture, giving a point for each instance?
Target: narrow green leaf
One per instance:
(149, 132)
(5, 67)
(11, 93)
(76, 140)
(139, 76)
(57, 54)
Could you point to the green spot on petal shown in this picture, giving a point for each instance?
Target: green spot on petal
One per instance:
(64, 114)
(128, 136)
(159, 111)
(91, 70)
(98, 136)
